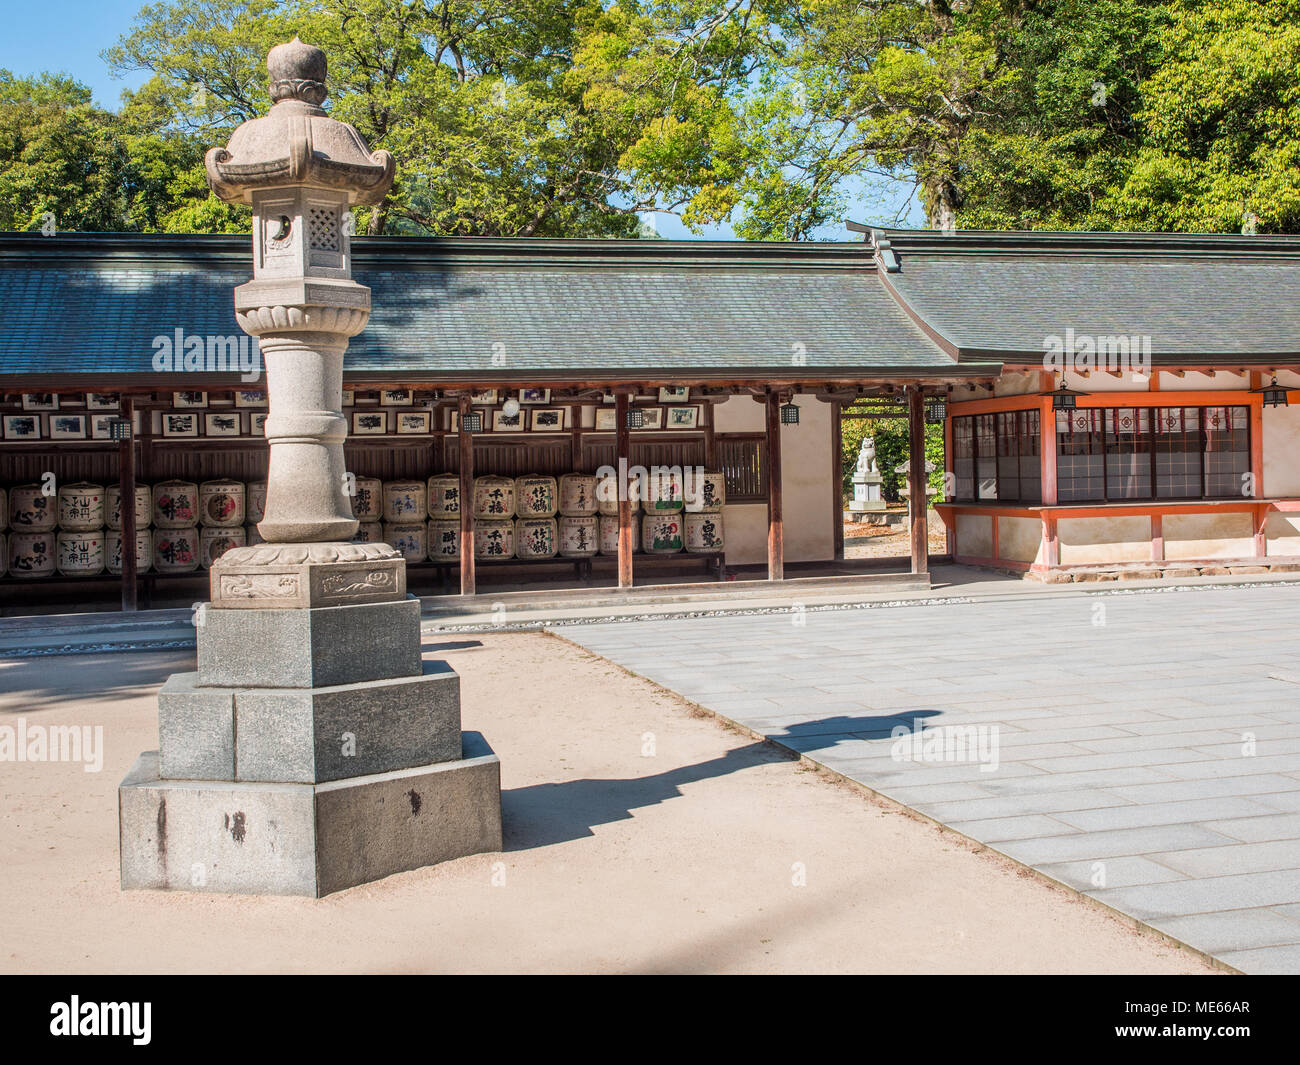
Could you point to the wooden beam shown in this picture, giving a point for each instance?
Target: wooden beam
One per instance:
(126, 508)
(775, 522)
(919, 482)
(468, 578)
(622, 457)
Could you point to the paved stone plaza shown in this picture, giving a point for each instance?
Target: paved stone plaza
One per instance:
(1148, 743)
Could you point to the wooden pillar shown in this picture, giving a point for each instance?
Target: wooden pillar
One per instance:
(775, 522)
(623, 461)
(466, 442)
(126, 505)
(837, 477)
(918, 481)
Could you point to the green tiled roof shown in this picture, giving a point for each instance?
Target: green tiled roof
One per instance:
(91, 305)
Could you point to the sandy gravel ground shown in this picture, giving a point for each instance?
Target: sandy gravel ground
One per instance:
(686, 859)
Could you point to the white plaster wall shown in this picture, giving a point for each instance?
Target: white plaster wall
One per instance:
(1281, 452)
(1208, 536)
(1282, 534)
(1020, 539)
(1121, 538)
(1104, 382)
(806, 484)
(975, 535)
(1219, 380)
(1016, 384)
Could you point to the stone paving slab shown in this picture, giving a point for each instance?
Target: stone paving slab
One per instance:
(1147, 745)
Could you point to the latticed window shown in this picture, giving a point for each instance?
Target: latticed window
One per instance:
(742, 460)
(323, 228)
(996, 456)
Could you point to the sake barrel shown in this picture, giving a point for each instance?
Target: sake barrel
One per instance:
(80, 552)
(4, 523)
(661, 534)
(444, 539)
(706, 493)
(494, 539)
(494, 497)
(579, 535)
(255, 502)
(215, 542)
(405, 503)
(221, 504)
(409, 538)
(30, 510)
(536, 496)
(536, 538)
(704, 533)
(176, 550)
(113, 551)
(607, 493)
(81, 507)
(176, 506)
(252, 536)
(578, 494)
(113, 506)
(663, 490)
(444, 495)
(368, 499)
(368, 532)
(31, 554)
(609, 533)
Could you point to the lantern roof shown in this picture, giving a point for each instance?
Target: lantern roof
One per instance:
(297, 144)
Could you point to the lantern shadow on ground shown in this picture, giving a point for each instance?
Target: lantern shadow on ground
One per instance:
(540, 815)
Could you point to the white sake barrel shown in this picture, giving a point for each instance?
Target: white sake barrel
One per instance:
(405, 503)
(661, 534)
(578, 494)
(215, 542)
(607, 494)
(255, 502)
(410, 538)
(368, 532)
(609, 533)
(494, 497)
(494, 539)
(80, 552)
(81, 506)
(113, 506)
(30, 510)
(4, 522)
(444, 539)
(252, 536)
(444, 495)
(176, 550)
(704, 533)
(663, 491)
(176, 506)
(536, 538)
(368, 499)
(536, 496)
(706, 493)
(579, 535)
(113, 551)
(31, 554)
(221, 504)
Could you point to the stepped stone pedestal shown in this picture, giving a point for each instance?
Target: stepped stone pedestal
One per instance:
(312, 750)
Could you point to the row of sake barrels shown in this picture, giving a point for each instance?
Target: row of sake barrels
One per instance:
(85, 507)
(87, 553)
(569, 536)
(531, 496)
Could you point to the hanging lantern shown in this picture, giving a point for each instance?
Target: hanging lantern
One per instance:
(634, 418)
(1064, 398)
(1273, 393)
(120, 428)
(936, 410)
(789, 414)
(472, 422)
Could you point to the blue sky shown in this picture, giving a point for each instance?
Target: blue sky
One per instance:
(68, 35)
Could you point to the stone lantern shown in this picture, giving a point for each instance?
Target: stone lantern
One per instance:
(313, 749)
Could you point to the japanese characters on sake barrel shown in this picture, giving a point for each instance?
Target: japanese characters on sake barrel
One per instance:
(405, 501)
(409, 537)
(494, 539)
(113, 556)
(221, 504)
(536, 538)
(113, 507)
(367, 499)
(579, 535)
(536, 497)
(81, 507)
(494, 497)
(444, 495)
(578, 494)
(80, 553)
(444, 539)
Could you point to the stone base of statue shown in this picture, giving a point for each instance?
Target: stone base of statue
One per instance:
(313, 750)
(867, 499)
